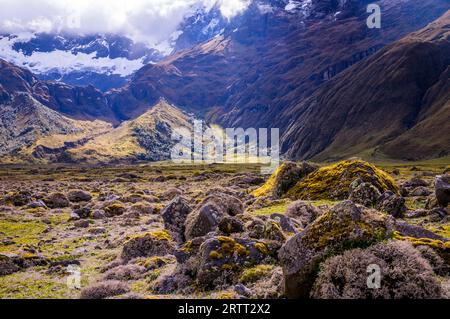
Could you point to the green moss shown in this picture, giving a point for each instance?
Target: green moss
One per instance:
(215, 255)
(333, 182)
(23, 233)
(262, 248)
(255, 273)
(230, 246)
(278, 208)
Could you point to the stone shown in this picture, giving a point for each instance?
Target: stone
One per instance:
(174, 216)
(442, 190)
(76, 196)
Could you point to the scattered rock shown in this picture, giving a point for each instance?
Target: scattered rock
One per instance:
(174, 216)
(286, 223)
(57, 200)
(99, 214)
(392, 204)
(76, 196)
(420, 191)
(115, 209)
(37, 204)
(209, 214)
(231, 225)
(148, 245)
(303, 212)
(442, 190)
(82, 224)
(363, 193)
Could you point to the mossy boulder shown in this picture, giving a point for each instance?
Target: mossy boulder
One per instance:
(344, 227)
(114, 209)
(222, 259)
(20, 198)
(157, 243)
(284, 178)
(442, 189)
(7, 265)
(333, 182)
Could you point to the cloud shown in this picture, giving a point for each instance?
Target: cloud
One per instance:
(150, 21)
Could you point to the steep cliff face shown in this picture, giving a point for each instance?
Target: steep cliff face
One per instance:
(395, 103)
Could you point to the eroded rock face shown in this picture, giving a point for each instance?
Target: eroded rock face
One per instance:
(175, 215)
(442, 189)
(343, 227)
(210, 212)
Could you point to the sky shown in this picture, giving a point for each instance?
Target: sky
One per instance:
(149, 21)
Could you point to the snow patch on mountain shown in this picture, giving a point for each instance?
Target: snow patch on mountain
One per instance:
(65, 61)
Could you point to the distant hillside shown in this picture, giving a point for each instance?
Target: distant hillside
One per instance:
(395, 104)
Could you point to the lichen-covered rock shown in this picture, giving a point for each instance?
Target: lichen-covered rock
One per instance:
(231, 225)
(344, 227)
(442, 189)
(333, 182)
(114, 209)
(420, 191)
(405, 274)
(303, 212)
(148, 245)
(79, 195)
(285, 222)
(392, 204)
(363, 193)
(57, 200)
(209, 213)
(20, 198)
(174, 216)
(222, 258)
(285, 177)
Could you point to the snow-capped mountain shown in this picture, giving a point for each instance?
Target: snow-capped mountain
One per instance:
(105, 61)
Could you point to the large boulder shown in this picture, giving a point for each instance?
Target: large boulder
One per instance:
(442, 189)
(158, 243)
(207, 216)
(404, 274)
(19, 198)
(344, 227)
(7, 265)
(284, 178)
(333, 182)
(174, 216)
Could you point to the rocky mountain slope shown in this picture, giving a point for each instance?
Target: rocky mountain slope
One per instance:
(271, 59)
(396, 103)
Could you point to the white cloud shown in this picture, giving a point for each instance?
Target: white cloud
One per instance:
(150, 21)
